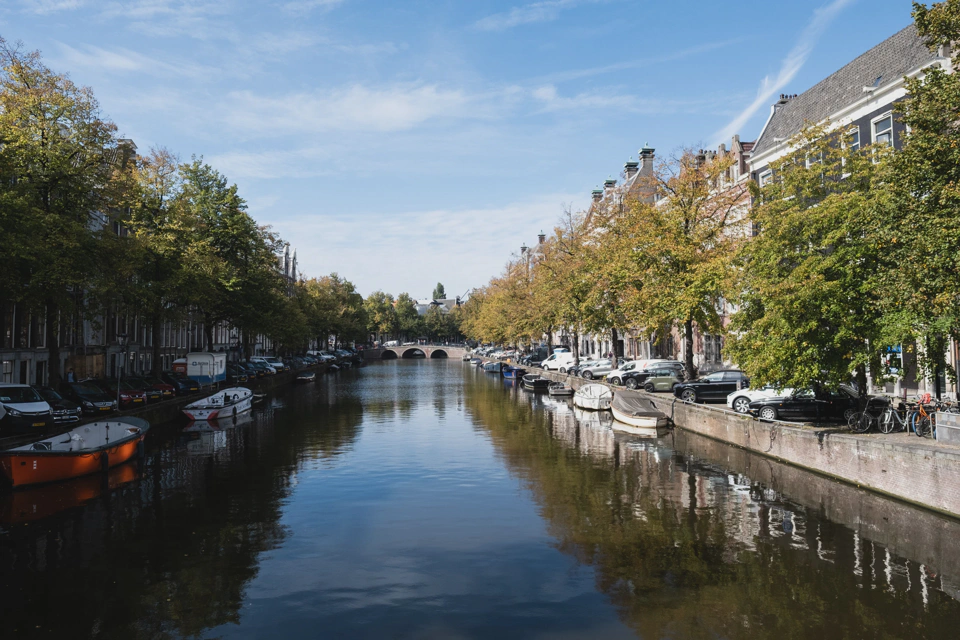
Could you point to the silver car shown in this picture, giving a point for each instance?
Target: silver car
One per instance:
(597, 369)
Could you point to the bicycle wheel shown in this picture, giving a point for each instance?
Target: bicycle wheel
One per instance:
(864, 423)
(853, 422)
(922, 427)
(888, 421)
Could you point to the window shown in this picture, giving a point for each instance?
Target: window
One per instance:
(714, 377)
(853, 138)
(712, 346)
(7, 371)
(883, 130)
(765, 178)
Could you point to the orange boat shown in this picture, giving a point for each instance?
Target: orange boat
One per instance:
(81, 451)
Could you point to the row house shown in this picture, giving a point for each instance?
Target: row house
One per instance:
(859, 102)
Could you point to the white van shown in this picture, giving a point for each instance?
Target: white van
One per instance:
(391, 343)
(558, 362)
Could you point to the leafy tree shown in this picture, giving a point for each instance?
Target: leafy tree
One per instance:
(439, 293)
(58, 163)
(920, 223)
(808, 312)
(409, 322)
(381, 315)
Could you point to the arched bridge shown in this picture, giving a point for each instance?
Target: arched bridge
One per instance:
(408, 351)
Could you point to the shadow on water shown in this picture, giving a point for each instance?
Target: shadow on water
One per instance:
(165, 550)
(691, 538)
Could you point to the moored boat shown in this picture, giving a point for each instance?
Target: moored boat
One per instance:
(560, 389)
(635, 414)
(307, 376)
(229, 402)
(513, 373)
(533, 382)
(81, 451)
(493, 367)
(595, 397)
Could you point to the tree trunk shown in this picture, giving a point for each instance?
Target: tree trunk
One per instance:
(861, 379)
(613, 345)
(688, 349)
(208, 332)
(549, 341)
(156, 326)
(576, 348)
(53, 344)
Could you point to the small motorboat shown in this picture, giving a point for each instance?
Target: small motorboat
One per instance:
(534, 382)
(493, 367)
(306, 376)
(560, 389)
(229, 402)
(513, 373)
(333, 368)
(81, 451)
(595, 397)
(476, 361)
(636, 414)
(467, 357)
(259, 398)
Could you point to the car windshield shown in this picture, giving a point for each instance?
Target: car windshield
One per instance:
(87, 390)
(14, 395)
(49, 394)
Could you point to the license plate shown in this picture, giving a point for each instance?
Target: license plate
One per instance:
(138, 400)
(104, 408)
(38, 424)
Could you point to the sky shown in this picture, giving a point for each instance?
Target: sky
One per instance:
(404, 143)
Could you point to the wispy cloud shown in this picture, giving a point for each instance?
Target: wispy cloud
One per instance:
(543, 11)
(300, 7)
(789, 68)
(51, 6)
(125, 60)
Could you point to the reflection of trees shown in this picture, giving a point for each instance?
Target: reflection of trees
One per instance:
(681, 553)
(172, 554)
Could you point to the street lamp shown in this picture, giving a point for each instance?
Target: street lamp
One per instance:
(122, 341)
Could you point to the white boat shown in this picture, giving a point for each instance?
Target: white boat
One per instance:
(595, 397)
(560, 389)
(636, 415)
(226, 403)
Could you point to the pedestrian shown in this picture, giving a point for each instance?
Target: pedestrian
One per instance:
(70, 376)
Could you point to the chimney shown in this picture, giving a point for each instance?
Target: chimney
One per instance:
(541, 237)
(597, 194)
(631, 168)
(609, 183)
(646, 161)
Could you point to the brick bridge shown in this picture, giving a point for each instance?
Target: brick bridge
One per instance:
(431, 351)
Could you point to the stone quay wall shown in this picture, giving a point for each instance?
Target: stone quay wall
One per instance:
(901, 466)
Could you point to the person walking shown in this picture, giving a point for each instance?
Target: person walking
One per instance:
(70, 376)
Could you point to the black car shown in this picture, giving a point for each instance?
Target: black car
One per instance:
(89, 396)
(182, 383)
(235, 374)
(809, 405)
(64, 411)
(715, 386)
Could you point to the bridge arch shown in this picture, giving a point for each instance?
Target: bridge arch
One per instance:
(438, 353)
(413, 352)
(388, 355)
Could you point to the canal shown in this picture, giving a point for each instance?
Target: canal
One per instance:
(425, 499)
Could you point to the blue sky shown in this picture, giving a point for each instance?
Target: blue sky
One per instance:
(408, 142)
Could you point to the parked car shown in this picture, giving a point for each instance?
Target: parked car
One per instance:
(597, 369)
(273, 363)
(661, 380)
(740, 400)
(810, 405)
(23, 409)
(165, 388)
(715, 386)
(64, 411)
(616, 376)
(637, 378)
(561, 362)
(141, 384)
(180, 382)
(235, 374)
(130, 396)
(89, 396)
(248, 370)
(262, 368)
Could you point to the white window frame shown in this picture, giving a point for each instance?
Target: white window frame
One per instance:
(765, 178)
(873, 127)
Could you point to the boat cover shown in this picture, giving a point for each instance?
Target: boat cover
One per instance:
(597, 391)
(635, 405)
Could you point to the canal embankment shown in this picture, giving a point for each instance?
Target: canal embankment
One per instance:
(921, 472)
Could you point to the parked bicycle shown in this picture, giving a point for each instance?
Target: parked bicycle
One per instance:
(870, 417)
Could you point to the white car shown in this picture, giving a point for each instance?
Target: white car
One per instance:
(22, 409)
(740, 400)
(616, 376)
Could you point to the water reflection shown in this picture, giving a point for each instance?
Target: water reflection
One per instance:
(426, 499)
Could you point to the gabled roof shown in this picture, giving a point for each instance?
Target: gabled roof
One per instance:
(887, 62)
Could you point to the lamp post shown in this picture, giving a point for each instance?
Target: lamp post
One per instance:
(122, 341)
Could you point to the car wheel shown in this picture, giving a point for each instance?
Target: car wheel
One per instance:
(631, 383)
(616, 381)
(768, 413)
(649, 388)
(588, 375)
(688, 395)
(741, 404)
(849, 413)
(562, 369)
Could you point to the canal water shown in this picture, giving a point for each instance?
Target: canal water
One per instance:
(426, 499)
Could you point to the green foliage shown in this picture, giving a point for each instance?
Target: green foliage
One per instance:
(381, 315)
(439, 293)
(808, 310)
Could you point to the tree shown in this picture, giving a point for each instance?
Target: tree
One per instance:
(920, 222)
(381, 315)
(808, 312)
(664, 264)
(439, 293)
(58, 162)
(409, 322)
